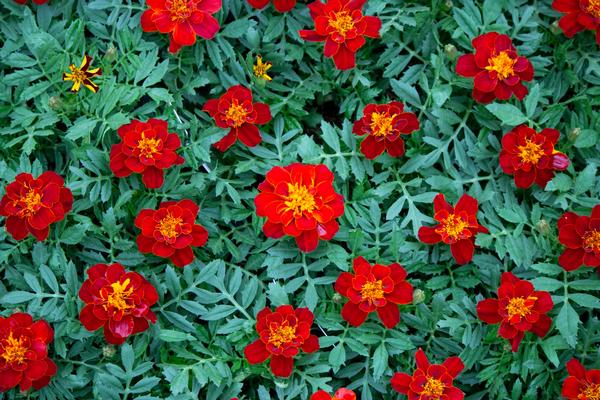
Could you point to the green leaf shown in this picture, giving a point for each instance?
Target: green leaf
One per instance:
(567, 324)
(507, 114)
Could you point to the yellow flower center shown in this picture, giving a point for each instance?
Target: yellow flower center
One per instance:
(381, 124)
(520, 306)
(282, 334)
(502, 64)
(372, 291)
(453, 226)
(592, 392)
(236, 114)
(148, 146)
(120, 296)
(32, 202)
(77, 75)
(261, 69)
(591, 241)
(341, 22)
(530, 152)
(300, 199)
(13, 350)
(180, 10)
(168, 226)
(594, 9)
(433, 387)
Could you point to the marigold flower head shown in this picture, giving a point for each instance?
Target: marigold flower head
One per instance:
(581, 384)
(82, 75)
(299, 200)
(430, 381)
(24, 353)
(280, 5)
(457, 227)
(32, 205)
(579, 15)
(261, 68)
(497, 69)
(340, 394)
(580, 234)
(519, 308)
(343, 27)
(530, 156)
(38, 2)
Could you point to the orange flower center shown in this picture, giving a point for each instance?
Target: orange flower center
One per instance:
(341, 22)
(32, 202)
(300, 199)
(382, 124)
(530, 152)
(180, 10)
(119, 298)
(433, 387)
(168, 226)
(13, 350)
(77, 75)
(236, 114)
(594, 9)
(148, 146)
(591, 240)
(453, 226)
(372, 291)
(520, 306)
(502, 64)
(282, 334)
(592, 392)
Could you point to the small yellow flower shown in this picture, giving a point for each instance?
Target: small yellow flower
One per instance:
(261, 69)
(82, 75)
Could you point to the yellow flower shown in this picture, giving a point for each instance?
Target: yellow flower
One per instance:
(82, 75)
(261, 69)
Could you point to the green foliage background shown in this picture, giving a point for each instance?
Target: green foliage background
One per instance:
(206, 311)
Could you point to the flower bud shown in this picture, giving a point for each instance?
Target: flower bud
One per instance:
(555, 28)
(109, 351)
(55, 103)
(337, 298)
(573, 134)
(418, 296)
(450, 51)
(543, 227)
(449, 3)
(111, 53)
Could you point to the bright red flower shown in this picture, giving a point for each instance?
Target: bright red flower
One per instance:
(280, 5)
(283, 333)
(146, 148)
(343, 28)
(341, 394)
(531, 157)
(32, 205)
(299, 200)
(384, 123)
(374, 288)
(498, 70)
(117, 300)
(171, 231)
(580, 235)
(430, 381)
(580, 15)
(182, 20)
(457, 227)
(519, 308)
(24, 353)
(38, 2)
(581, 384)
(236, 111)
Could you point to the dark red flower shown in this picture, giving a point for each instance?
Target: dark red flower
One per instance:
(38, 2)
(374, 288)
(430, 381)
(531, 157)
(117, 300)
(32, 205)
(341, 394)
(280, 5)
(581, 237)
(299, 200)
(498, 70)
(343, 27)
(581, 384)
(171, 231)
(580, 15)
(283, 333)
(457, 227)
(384, 123)
(236, 111)
(518, 309)
(146, 148)
(24, 353)
(182, 20)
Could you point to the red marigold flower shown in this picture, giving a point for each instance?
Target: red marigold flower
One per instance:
(343, 27)
(341, 394)
(430, 381)
(580, 15)
(117, 300)
(280, 5)
(171, 231)
(182, 20)
(374, 288)
(38, 2)
(497, 68)
(530, 156)
(580, 235)
(236, 111)
(519, 308)
(457, 227)
(24, 353)
(299, 200)
(384, 123)
(581, 384)
(32, 205)
(283, 333)
(146, 148)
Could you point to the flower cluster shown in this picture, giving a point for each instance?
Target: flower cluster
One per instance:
(580, 235)
(581, 384)
(579, 15)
